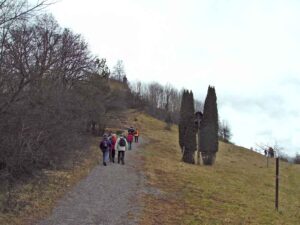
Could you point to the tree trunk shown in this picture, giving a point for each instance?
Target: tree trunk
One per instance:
(188, 156)
(208, 158)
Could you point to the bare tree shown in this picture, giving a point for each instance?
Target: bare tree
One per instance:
(13, 14)
(155, 93)
(48, 91)
(136, 87)
(119, 71)
(224, 131)
(138, 94)
(162, 102)
(12, 11)
(102, 68)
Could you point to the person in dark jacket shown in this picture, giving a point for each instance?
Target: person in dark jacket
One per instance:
(105, 146)
(131, 130)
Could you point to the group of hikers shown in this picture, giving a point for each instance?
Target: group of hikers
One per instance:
(269, 152)
(112, 142)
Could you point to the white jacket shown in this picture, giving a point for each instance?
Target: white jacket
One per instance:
(121, 148)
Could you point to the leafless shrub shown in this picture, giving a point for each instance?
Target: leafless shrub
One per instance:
(162, 102)
(50, 88)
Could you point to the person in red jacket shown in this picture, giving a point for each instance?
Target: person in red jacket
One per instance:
(129, 140)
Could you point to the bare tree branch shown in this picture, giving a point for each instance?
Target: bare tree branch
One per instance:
(17, 11)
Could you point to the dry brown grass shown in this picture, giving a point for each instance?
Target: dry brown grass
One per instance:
(40, 196)
(238, 189)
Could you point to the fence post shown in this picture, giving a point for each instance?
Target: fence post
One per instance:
(277, 184)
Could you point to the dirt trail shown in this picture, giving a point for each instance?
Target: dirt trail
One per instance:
(108, 196)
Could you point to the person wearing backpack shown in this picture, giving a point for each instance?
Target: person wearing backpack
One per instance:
(130, 130)
(105, 146)
(129, 140)
(121, 146)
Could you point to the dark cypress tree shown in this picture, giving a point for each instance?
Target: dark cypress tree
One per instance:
(190, 132)
(209, 128)
(181, 125)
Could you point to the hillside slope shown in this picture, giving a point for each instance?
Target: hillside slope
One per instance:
(238, 189)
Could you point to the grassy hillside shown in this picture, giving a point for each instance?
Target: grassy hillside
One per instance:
(238, 189)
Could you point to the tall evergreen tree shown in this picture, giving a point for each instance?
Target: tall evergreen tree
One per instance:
(189, 137)
(181, 125)
(209, 128)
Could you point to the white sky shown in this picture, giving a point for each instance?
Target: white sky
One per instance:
(249, 50)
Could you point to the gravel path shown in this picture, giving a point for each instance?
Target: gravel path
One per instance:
(108, 196)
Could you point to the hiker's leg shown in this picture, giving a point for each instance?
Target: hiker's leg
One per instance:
(103, 157)
(123, 157)
(119, 152)
(106, 156)
(113, 152)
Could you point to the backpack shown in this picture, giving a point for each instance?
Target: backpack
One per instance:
(122, 142)
(104, 145)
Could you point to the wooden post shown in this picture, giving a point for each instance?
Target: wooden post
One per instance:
(277, 184)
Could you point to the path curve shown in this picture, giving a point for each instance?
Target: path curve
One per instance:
(107, 196)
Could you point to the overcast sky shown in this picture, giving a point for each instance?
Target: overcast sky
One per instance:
(249, 50)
